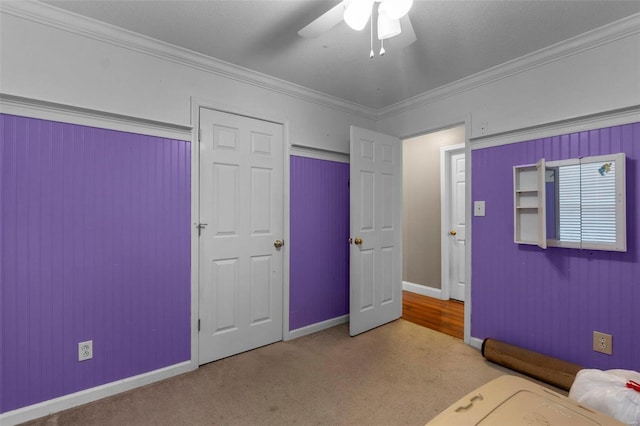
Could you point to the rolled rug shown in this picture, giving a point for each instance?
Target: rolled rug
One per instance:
(548, 369)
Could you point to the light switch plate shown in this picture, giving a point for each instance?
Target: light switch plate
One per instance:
(478, 208)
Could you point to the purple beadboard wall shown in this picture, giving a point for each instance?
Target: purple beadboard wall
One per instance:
(95, 245)
(552, 300)
(319, 272)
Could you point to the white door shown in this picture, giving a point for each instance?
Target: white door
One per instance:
(241, 203)
(457, 232)
(376, 230)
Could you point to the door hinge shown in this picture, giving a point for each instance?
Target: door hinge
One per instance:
(349, 183)
(198, 324)
(199, 134)
(200, 227)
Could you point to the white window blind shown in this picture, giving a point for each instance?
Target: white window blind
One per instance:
(587, 202)
(569, 203)
(598, 202)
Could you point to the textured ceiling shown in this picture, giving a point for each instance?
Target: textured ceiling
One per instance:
(456, 38)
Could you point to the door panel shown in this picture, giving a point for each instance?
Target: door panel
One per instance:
(241, 201)
(225, 289)
(457, 278)
(376, 202)
(367, 273)
(386, 269)
(367, 197)
(261, 201)
(260, 289)
(226, 185)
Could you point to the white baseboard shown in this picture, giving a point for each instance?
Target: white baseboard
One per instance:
(294, 334)
(424, 290)
(65, 402)
(475, 342)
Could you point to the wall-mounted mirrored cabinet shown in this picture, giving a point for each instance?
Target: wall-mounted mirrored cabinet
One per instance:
(576, 203)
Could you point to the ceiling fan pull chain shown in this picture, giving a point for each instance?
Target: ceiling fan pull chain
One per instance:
(371, 38)
(382, 51)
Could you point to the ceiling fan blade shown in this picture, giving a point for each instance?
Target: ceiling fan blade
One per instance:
(406, 37)
(324, 22)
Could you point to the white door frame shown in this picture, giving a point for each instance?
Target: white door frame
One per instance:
(196, 104)
(466, 122)
(445, 211)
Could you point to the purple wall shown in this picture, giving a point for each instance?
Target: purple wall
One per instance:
(319, 272)
(552, 300)
(95, 244)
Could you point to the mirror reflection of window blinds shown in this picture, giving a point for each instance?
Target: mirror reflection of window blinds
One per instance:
(598, 182)
(592, 218)
(569, 203)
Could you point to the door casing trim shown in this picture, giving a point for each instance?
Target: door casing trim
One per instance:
(196, 104)
(445, 210)
(466, 122)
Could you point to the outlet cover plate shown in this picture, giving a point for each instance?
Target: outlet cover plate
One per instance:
(85, 350)
(603, 342)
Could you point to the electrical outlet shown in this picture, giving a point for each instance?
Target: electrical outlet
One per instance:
(85, 350)
(602, 342)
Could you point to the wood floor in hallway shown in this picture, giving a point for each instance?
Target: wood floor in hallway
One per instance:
(445, 316)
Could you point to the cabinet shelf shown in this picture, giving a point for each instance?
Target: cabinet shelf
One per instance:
(528, 201)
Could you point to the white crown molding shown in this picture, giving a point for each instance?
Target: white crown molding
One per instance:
(606, 34)
(64, 20)
(45, 110)
(87, 27)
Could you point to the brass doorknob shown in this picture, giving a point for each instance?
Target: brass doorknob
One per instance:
(358, 241)
(277, 244)
(452, 232)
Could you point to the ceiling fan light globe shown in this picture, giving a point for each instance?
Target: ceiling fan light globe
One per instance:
(357, 13)
(387, 27)
(395, 9)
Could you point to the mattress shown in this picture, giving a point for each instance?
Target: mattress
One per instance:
(511, 400)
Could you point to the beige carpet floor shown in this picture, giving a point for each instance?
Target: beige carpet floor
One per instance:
(397, 374)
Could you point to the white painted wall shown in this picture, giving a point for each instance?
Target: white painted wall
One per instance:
(41, 60)
(95, 66)
(589, 75)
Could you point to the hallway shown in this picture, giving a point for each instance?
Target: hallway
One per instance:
(445, 316)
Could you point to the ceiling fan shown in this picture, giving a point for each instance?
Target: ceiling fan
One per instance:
(392, 20)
